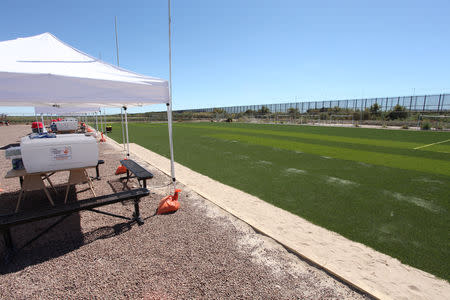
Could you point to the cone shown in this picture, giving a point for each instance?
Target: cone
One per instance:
(1, 190)
(169, 204)
(89, 129)
(102, 140)
(121, 169)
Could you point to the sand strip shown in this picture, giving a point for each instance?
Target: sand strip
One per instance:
(378, 274)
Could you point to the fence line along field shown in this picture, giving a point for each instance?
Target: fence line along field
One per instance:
(388, 189)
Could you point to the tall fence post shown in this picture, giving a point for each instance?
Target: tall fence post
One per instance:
(443, 101)
(439, 103)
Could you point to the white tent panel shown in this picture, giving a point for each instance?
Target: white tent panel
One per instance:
(52, 110)
(43, 70)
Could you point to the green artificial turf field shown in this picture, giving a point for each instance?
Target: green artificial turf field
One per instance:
(368, 185)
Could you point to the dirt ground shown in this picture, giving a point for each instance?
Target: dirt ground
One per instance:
(198, 252)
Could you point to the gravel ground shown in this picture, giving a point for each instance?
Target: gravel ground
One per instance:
(198, 252)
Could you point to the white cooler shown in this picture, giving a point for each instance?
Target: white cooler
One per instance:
(63, 152)
(69, 124)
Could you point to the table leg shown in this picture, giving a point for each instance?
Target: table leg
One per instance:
(48, 196)
(91, 186)
(67, 192)
(97, 173)
(137, 215)
(21, 193)
(51, 184)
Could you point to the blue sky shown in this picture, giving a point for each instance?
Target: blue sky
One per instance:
(240, 52)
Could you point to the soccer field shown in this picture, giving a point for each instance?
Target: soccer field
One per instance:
(388, 189)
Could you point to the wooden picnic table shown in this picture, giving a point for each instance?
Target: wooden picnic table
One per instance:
(35, 181)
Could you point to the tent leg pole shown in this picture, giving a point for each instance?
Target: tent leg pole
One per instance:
(96, 121)
(43, 123)
(104, 118)
(101, 121)
(123, 129)
(169, 124)
(126, 130)
(169, 107)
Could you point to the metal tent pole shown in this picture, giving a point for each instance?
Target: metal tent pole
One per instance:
(123, 129)
(126, 130)
(169, 122)
(101, 120)
(96, 120)
(42, 120)
(104, 112)
(169, 108)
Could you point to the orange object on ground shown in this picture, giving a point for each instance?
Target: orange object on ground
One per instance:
(1, 190)
(169, 204)
(89, 129)
(121, 169)
(102, 140)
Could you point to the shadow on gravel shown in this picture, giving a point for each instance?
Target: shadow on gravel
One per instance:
(10, 145)
(107, 232)
(119, 185)
(61, 239)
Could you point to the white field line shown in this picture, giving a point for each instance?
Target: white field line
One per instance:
(431, 144)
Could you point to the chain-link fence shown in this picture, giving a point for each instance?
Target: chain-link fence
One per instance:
(425, 103)
(405, 111)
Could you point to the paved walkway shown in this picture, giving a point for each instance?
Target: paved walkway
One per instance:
(377, 274)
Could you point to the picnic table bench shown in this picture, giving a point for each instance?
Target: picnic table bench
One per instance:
(139, 172)
(65, 210)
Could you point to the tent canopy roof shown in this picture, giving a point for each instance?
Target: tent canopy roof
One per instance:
(42, 70)
(58, 110)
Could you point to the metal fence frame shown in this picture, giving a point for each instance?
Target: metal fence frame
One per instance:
(438, 103)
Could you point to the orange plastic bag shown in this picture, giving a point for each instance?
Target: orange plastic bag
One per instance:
(169, 204)
(102, 139)
(121, 169)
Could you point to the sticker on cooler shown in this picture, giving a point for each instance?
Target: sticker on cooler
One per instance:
(61, 153)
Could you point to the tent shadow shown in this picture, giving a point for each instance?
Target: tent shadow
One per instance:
(10, 145)
(60, 240)
(119, 185)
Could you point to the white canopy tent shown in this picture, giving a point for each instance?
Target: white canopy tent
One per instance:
(64, 110)
(43, 71)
